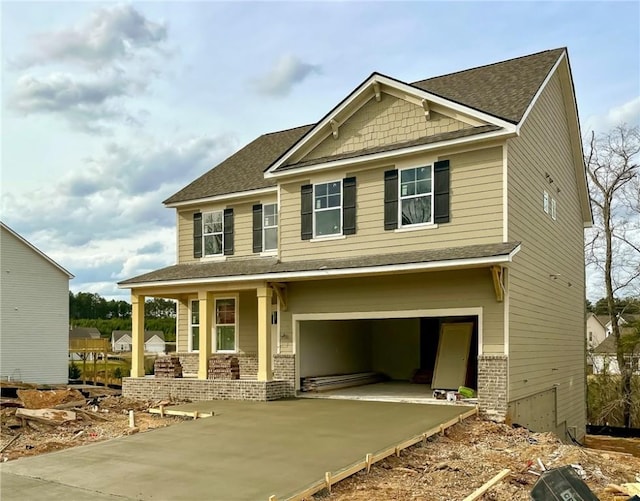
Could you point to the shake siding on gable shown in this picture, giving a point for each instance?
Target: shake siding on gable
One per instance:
(243, 225)
(476, 211)
(389, 121)
(34, 331)
(546, 314)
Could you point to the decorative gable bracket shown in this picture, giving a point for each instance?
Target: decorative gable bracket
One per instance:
(425, 107)
(334, 128)
(281, 291)
(498, 275)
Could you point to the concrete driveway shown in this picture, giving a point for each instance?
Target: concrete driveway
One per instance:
(247, 451)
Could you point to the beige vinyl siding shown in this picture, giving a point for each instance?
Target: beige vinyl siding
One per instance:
(182, 327)
(390, 121)
(547, 345)
(420, 291)
(475, 207)
(243, 228)
(34, 315)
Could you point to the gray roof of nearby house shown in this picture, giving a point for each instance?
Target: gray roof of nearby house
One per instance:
(608, 346)
(84, 333)
(266, 266)
(118, 335)
(504, 90)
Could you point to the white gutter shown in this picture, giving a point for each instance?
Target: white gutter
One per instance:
(228, 196)
(331, 273)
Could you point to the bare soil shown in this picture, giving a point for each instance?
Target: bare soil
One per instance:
(452, 466)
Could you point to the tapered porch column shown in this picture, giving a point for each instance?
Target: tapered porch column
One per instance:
(137, 335)
(264, 334)
(206, 318)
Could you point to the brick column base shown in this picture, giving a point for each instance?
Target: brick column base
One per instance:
(493, 386)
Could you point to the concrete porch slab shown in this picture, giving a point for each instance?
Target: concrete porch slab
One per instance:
(247, 451)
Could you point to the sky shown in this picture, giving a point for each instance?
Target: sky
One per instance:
(110, 108)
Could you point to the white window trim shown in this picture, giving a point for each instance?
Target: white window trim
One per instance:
(554, 213)
(313, 194)
(264, 228)
(221, 254)
(214, 334)
(401, 198)
(416, 227)
(190, 347)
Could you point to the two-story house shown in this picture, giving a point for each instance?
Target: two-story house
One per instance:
(447, 209)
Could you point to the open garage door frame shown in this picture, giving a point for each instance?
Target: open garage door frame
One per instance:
(296, 318)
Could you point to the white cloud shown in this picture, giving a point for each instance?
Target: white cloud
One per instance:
(108, 34)
(104, 221)
(286, 72)
(626, 113)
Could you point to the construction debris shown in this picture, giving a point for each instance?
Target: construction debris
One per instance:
(326, 383)
(224, 367)
(469, 455)
(167, 367)
(73, 420)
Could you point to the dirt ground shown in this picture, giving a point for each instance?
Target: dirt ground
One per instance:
(99, 418)
(452, 466)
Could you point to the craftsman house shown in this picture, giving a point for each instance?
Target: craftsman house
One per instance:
(34, 313)
(432, 227)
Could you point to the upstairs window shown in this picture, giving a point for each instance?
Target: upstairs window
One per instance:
(416, 196)
(213, 233)
(270, 227)
(327, 209)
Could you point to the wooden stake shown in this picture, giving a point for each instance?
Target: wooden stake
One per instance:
(10, 442)
(368, 459)
(481, 490)
(327, 479)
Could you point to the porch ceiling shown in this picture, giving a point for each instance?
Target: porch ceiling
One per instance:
(272, 269)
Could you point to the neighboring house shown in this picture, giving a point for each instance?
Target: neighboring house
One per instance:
(34, 313)
(76, 335)
(596, 331)
(605, 357)
(351, 244)
(623, 320)
(153, 341)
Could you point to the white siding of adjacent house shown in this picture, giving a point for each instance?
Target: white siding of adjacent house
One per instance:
(34, 320)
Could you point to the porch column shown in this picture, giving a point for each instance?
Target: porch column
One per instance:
(264, 334)
(206, 318)
(137, 335)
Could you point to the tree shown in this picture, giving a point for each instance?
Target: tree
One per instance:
(613, 246)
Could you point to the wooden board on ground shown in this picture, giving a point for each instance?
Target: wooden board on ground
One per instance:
(613, 444)
(52, 417)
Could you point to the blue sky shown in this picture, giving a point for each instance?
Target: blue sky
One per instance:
(109, 108)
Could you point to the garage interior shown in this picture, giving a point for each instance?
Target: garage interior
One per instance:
(412, 356)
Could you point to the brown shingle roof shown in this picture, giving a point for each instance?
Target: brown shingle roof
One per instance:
(244, 169)
(503, 89)
(629, 339)
(266, 266)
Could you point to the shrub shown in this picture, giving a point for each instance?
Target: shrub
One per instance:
(74, 371)
(117, 373)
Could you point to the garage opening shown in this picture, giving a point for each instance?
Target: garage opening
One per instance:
(394, 359)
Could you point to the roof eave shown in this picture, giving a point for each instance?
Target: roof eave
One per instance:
(337, 273)
(221, 198)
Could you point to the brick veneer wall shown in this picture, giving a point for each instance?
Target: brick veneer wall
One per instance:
(248, 364)
(492, 386)
(195, 389)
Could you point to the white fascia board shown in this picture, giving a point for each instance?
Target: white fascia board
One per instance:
(221, 198)
(36, 250)
(385, 155)
(400, 86)
(540, 90)
(337, 273)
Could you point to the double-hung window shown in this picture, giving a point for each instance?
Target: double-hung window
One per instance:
(212, 233)
(270, 227)
(327, 209)
(194, 329)
(416, 195)
(225, 328)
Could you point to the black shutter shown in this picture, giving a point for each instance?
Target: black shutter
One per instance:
(197, 234)
(391, 199)
(257, 228)
(306, 212)
(441, 192)
(228, 232)
(349, 206)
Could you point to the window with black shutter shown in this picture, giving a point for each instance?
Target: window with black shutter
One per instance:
(197, 234)
(228, 232)
(306, 212)
(257, 228)
(441, 192)
(349, 206)
(391, 199)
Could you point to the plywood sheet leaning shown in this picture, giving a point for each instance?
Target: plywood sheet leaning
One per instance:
(453, 354)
